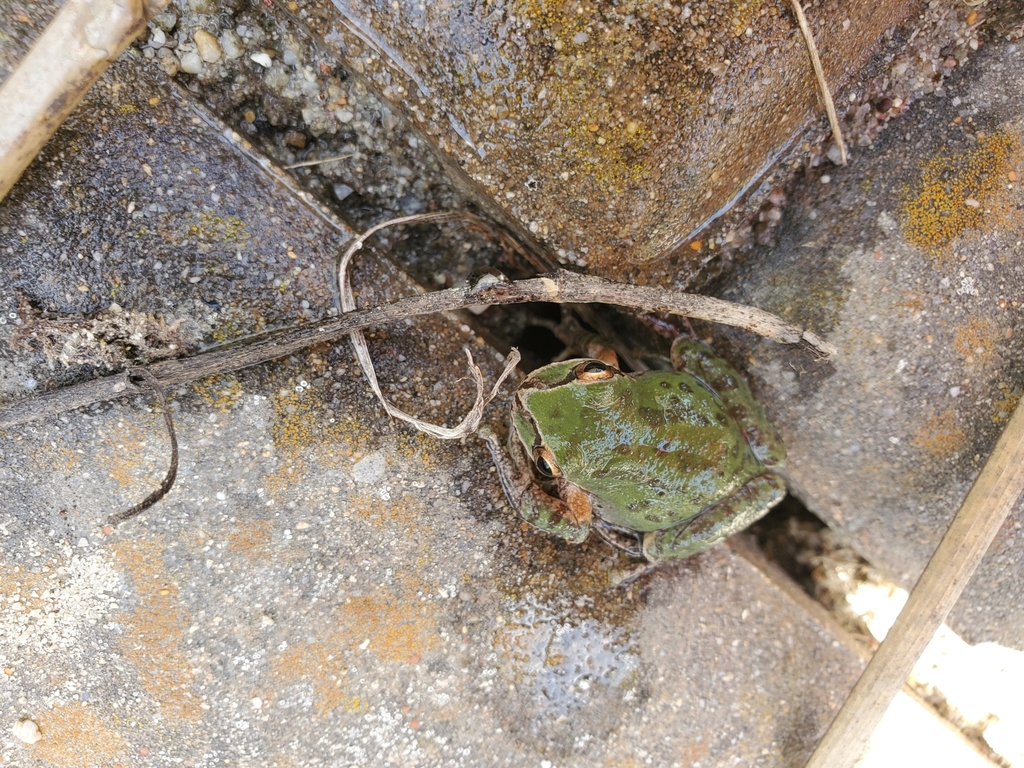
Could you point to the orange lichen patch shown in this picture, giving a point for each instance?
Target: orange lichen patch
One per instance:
(316, 663)
(368, 506)
(953, 192)
(395, 621)
(28, 586)
(74, 735)
(976, 340)
(56, 457)
(124, 446)
(220, 392)
(155, 633)
(911, 302)
(251, 541)
(940, 436)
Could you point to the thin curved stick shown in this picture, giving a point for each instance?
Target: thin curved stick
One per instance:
(472, 419)
(172, 472)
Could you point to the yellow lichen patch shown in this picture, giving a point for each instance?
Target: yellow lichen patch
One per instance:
(940, 436)
(220, 392)
(213, 228)
(299, 426)
(976, 340)
(154, 635)
(251, 540)
(315, 663)
(954, 191)
(73, 735)
(1006, 405)
(277, 482)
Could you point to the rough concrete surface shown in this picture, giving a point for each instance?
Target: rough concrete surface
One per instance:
(610, 132)
(910, 261)
(321, 587)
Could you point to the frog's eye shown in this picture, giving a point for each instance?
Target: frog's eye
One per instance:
(593, 370)
(544, 459)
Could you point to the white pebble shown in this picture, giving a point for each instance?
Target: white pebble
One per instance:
(261, 58)
(231, 44)
(191, 63)
(27, 731)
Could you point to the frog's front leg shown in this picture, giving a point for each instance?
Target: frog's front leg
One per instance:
(569, 519)
(717, 522)
(698, 360)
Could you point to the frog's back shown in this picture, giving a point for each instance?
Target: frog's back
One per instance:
(654, 449)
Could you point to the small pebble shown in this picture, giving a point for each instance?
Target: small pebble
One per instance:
(209, 48)
(191, 62)
(166, 20)
(27, 731)
(169, 64)
(262, 58)
(231, 45)
(825, 178)
(158, 38)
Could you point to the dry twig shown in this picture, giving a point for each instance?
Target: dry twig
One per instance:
(560, 287)
(321, 161)
(76, 48)
(819, 74)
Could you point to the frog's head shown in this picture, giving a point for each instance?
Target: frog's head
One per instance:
(531, 419)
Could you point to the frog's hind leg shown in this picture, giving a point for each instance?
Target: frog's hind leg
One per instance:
(699, 360)
(717, 522)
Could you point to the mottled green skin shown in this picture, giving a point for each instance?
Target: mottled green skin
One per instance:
(679, 456)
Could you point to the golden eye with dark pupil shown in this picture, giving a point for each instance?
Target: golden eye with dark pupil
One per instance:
(593, 370)
(544, 468)
(545, 462)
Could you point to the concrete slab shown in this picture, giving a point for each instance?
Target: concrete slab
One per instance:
(322, 586)
(909, 261)
(610, 133)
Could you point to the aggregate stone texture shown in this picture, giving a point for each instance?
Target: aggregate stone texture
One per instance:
(911, 262)
(322, 586)
(609, 132)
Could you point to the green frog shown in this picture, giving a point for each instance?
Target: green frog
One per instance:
(662, 464)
